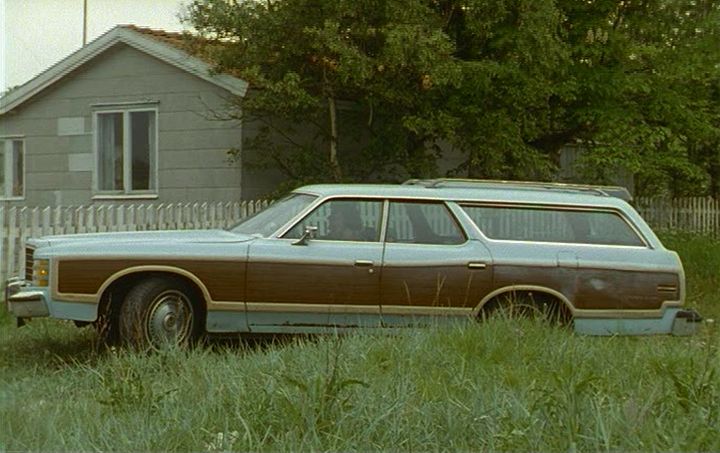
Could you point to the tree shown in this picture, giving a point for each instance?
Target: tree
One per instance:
(514, 64)
(643, 72)
(630, 81)
(379, 60)
(378, 84)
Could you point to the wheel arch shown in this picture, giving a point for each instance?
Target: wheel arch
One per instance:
(557, 295)
(120, 283)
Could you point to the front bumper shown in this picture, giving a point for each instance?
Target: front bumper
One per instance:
(25, 301)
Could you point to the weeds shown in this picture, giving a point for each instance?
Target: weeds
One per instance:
(126, 389)
(321, 398)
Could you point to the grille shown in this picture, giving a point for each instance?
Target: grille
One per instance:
(29, 263)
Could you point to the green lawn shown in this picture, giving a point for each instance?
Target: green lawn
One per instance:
(502, 385)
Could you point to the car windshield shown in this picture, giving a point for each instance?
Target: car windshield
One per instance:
(267, 221)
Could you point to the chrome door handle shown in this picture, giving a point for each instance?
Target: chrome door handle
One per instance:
(363, 263)
(476, 265)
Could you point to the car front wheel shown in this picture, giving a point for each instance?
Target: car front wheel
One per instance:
(159, 313)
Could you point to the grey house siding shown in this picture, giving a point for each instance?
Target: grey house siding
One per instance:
(192, 147)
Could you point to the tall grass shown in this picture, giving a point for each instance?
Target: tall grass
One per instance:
(701, 260)
(504, 385)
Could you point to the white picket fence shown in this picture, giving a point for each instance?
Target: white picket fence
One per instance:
(696, 215)
(18, 224)
(699, 215)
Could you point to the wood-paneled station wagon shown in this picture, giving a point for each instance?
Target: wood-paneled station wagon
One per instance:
(332, 257)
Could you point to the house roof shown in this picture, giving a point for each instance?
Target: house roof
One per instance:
(166, 46)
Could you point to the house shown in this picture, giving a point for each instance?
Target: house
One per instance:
(128, 117)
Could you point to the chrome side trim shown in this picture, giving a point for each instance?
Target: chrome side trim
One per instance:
(342, 308)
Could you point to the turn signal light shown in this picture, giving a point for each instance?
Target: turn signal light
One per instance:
(41, 273)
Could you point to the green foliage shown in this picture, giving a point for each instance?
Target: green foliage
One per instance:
(342, 72)
(313, 403)
(125, 389)
(507, 83)
(664, 114)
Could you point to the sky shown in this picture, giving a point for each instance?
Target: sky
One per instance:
(35, 34)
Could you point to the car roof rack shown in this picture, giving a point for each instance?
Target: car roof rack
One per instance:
(606, 191)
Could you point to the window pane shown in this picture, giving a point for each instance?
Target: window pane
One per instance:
(343, 220)
(142, 132)
(553, 225)
(522, 224)
(18, 166)
(110, 151)
(422, 223)
(269, 220)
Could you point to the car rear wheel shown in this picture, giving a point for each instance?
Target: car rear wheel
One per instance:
(159, 313)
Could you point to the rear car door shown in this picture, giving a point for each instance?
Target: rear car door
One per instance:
(430, 266)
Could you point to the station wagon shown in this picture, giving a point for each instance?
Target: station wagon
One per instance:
(329, 258)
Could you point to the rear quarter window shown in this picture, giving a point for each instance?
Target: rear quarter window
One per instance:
(546, 224)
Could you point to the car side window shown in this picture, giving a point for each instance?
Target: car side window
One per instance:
(422, 223)
(540, 224)
(343, 220)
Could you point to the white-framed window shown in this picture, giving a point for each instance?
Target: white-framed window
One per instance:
(12, 168)
(126, 148)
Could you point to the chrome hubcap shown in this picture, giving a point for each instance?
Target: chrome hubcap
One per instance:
(169, 319)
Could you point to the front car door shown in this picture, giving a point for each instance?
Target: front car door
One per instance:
(331, 280)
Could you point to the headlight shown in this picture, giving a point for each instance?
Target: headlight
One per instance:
(40, 272)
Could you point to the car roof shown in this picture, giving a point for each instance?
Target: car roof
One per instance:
(495, 191)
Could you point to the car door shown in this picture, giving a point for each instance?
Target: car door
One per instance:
(332, 279)
(430, 266)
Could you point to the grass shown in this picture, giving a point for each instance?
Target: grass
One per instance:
(505, 385)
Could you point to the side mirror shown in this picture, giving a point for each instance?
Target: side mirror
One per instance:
(308, 234)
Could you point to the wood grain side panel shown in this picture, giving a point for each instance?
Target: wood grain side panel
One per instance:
(623, 289)
(431, 286)
(224, 279)
(595, 289)
(560, 279)
(312, 284)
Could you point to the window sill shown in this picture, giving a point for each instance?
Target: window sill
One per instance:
(12, 198)
(144, 196)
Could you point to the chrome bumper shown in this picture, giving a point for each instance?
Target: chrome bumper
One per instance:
(23, 301)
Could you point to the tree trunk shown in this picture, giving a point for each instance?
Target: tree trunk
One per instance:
(334, 163)
(714, 173)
